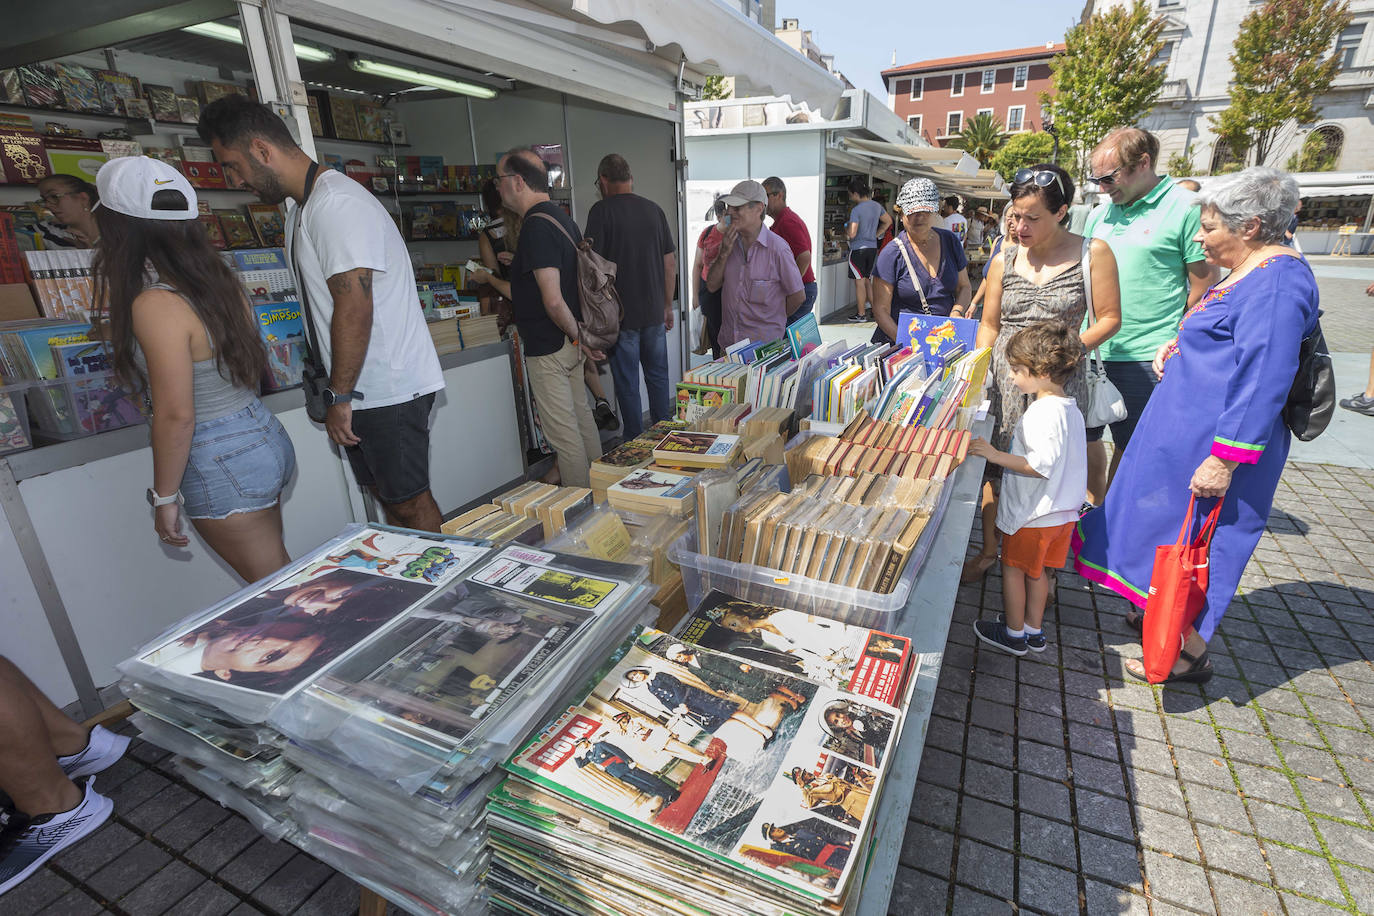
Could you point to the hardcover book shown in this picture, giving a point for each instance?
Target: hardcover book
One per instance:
(163, 102)
(345, 117)
(269, 225)
(695, 449)
(238, 232)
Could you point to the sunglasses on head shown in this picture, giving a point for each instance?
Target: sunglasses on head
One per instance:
(1042, 178)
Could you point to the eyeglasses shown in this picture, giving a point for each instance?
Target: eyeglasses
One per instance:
(501, 176)
(1042, 179)
(1107, 179)
(53, 197)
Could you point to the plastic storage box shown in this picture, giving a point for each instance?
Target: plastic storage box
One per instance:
(14, 420)
(81, 405)
(879, 610)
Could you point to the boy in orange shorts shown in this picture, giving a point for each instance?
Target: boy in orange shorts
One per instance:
(1042, 489)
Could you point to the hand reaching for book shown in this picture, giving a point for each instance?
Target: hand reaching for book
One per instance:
(167, 524)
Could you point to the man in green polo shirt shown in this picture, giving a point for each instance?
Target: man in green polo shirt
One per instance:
(1150, 225)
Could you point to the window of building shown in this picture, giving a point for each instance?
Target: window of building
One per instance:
(989, 80)
(1019, 77)
(1166, 51)
(914, 122)
(954, 123)
(1165, 4)
(918, 88)
(1016, 118)
(1348, 45)
(985, 111)
(956, 84)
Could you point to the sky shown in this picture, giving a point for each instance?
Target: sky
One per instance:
(863, 43)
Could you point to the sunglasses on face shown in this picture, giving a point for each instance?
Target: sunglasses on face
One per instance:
(1041, 179)
(1107, 179)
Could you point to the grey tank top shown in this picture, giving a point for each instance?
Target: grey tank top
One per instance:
(215, 396)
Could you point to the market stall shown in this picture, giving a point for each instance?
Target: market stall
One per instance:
(1336, 205)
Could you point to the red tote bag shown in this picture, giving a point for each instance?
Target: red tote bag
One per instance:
(1178, 590)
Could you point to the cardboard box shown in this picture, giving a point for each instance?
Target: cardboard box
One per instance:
(16, 302)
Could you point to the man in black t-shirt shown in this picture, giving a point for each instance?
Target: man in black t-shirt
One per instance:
(547, 309)
(632, 232)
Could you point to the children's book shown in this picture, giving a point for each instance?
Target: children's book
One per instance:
(804, 334)
(935, 336)
(81, 358)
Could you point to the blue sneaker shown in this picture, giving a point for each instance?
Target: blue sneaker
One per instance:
(994, 633)
(1034, 641)
(26, 843)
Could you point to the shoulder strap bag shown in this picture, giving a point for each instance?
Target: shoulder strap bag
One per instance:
(911, 272)
(314, 375)
(1105, 404)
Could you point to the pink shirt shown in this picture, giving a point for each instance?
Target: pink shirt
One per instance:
(757, 284)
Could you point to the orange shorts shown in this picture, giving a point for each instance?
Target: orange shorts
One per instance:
(1032, 549)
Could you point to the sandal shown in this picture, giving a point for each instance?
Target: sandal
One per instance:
(976, 567)
(1199, 670)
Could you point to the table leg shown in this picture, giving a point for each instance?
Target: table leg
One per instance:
(370, 903)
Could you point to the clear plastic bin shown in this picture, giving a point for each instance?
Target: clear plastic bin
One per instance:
(81, 405)
(14, 420)
(879, 610)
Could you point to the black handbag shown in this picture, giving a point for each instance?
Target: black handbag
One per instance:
(314, 376)
(1312, 399)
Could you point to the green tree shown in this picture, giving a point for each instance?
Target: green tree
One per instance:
(1283, 59)
(1020, 151)
(1180, 164)
(715, 88)
(981, 138)
(1316, 155)
(1107, 77)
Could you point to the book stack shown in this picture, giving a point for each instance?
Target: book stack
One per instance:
(723, 419)
(654, 492)
(492, 523)
(373, 746)
(734, 768)
(62, 282)
(628, 456)
(913, 452)
(686, 449)
(480, 329)
(608, 533)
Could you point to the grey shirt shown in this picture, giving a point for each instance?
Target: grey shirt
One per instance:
(866, 213)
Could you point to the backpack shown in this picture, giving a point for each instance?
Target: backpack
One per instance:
(1312, 399)
(602, 311)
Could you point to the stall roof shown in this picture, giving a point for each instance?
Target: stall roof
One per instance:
(951, 169)
(1321, 184)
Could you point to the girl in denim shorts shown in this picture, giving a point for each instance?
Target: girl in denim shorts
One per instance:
(189, 344)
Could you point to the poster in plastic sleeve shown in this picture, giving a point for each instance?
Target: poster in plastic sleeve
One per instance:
(275, 639)
(452, 663)
(704, 756)
(866, 662)
(549, 577)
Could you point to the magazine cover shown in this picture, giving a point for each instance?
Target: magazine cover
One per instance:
(663, 484)
(683, 442)
(549, 577)
(864, 662)
(81, 358)
(277, 638)
(452, 663)
(268, 224)
(804, 335)
(705, 757)
(100, 403)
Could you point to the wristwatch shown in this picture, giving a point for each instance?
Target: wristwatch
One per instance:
(332, 397)
(154, 500)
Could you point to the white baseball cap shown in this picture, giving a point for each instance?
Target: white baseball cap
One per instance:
(129, 184)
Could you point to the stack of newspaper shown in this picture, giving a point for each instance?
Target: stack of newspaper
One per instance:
(358, 702)
(732, 768)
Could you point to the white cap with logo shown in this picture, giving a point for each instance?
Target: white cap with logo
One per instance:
(129, 185)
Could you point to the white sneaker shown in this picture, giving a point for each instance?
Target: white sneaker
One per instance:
(27, 843)
(102, 750)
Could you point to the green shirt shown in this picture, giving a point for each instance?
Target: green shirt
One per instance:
(1153, 243)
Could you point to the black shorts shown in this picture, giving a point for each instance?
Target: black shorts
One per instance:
(392, 454)
(861, 262)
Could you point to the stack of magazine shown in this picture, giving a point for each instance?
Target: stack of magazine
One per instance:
(358, 702)
(733, 768)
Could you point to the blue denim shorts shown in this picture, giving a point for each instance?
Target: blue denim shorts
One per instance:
(238, 463)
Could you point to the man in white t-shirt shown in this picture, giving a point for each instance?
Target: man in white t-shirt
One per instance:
(954, 220)
(353, 267)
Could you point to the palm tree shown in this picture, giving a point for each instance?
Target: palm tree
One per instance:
(981, 138)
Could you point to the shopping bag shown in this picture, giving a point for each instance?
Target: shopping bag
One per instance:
(1178, 590)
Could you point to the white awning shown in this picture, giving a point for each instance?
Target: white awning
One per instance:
(952, 170)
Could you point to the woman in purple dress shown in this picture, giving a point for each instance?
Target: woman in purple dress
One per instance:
(1213, 426)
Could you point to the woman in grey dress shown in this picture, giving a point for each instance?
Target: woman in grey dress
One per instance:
(1039, 278)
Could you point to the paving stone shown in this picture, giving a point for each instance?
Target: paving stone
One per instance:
(1162, 792)
(35, 892)
(940, 768)
(1111, 860)
(1042, 700)
(1088, 739)
(984, 868)
(1331, 799)
(222, 844)
(1233, 852)
(997, 689)
(96, 851)
(1287, 825)
(1293, 728)
(289, 887)
(1304, 873)
(209, 899)
(1103, 813)
(1206, 769)
(927, 847)
(1239, 896)
(1041, 760)
(996, 716)
(191, 824)
(1347, 843)
(946, 734)
(1043, 796)
(1360, 883)
(247, 909)
(1167, 833)
(912, 892)
(1152, 755)
(1311, 761)
(1286, 701)
(133, 867)
(161, 808)
(970, 901)
(161, 891)
(1253, 748)
(1224, 809)
(1044, 887)
(1193, 735)
(1140, 723)
(1270, 785)
(1346, 740)
(935, 805)
(1100, 775)
(1177, 881)
(134, 791)
(256, 864)
(1039, 727)
(1048, 840)
(990, 746)
(993, 824)
(73, 903)
(1102, 898)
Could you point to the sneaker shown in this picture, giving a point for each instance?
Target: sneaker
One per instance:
(26, 843)
(102, 750)
(605, 417)
(1034, 641)
(994, 633)
(1360, 404)
(858, 319)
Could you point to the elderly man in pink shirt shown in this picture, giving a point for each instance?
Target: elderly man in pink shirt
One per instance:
(756, 274)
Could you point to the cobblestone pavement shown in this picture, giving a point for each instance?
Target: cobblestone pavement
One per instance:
(1057, 784)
